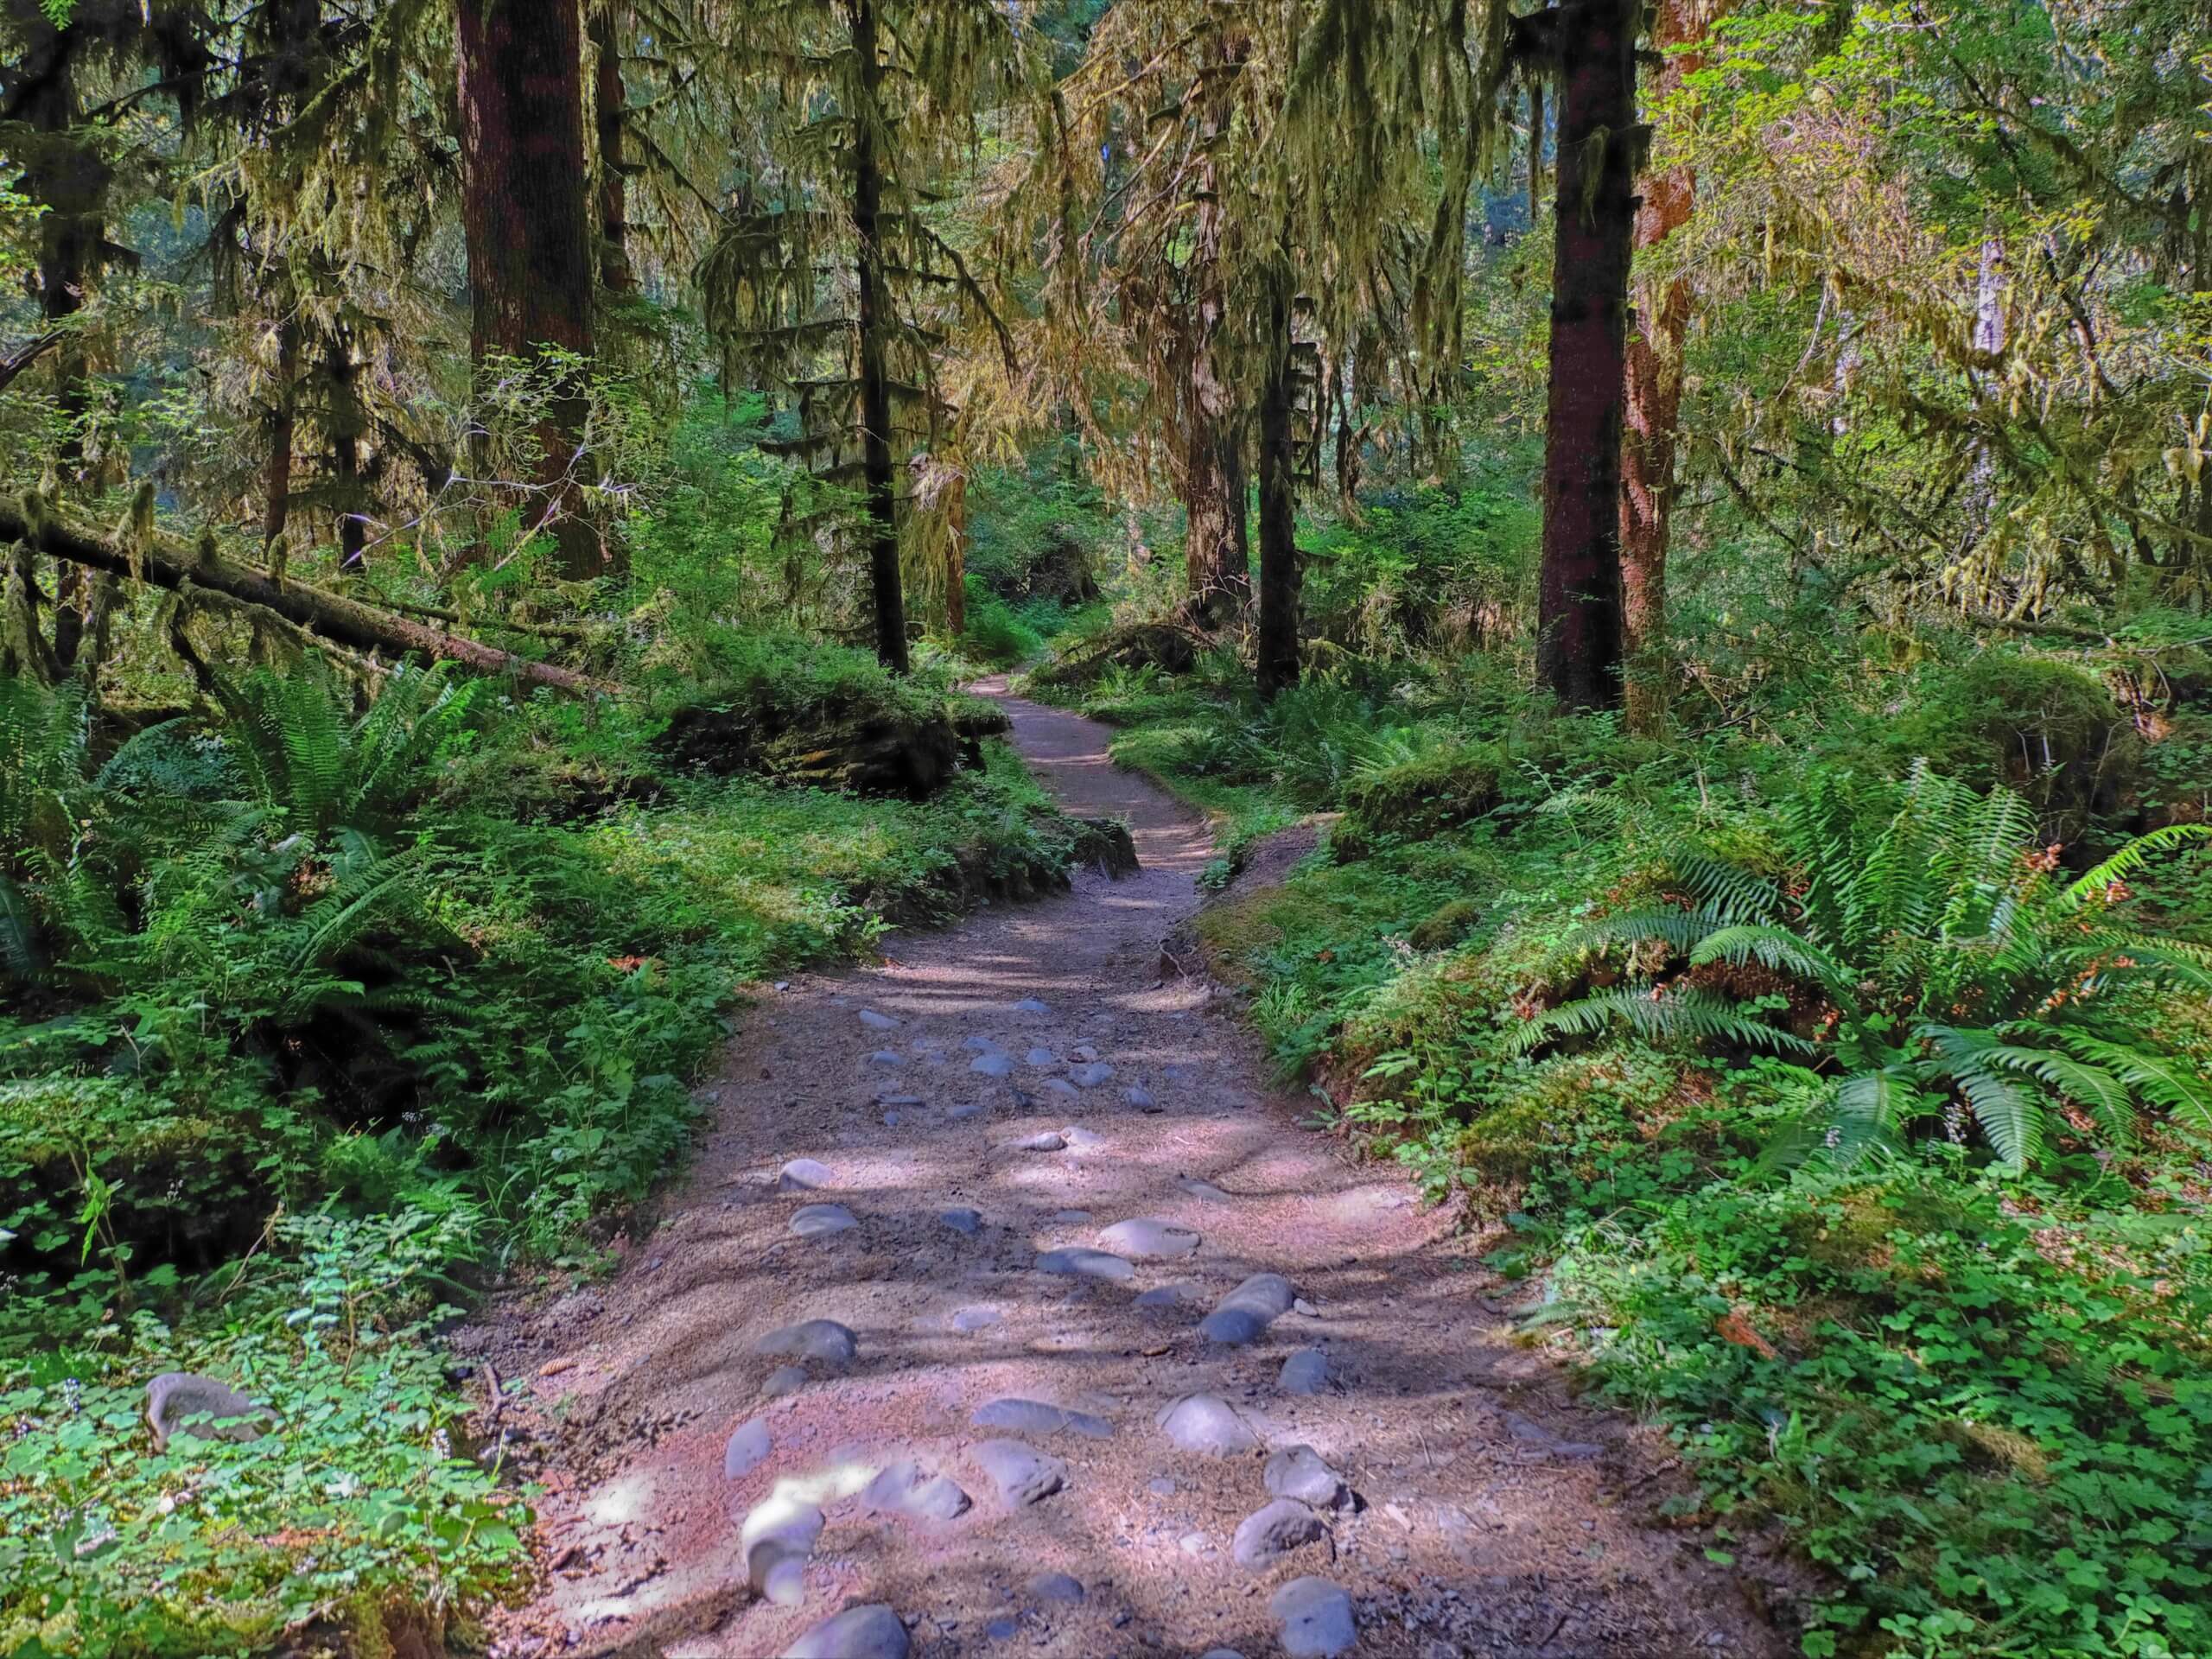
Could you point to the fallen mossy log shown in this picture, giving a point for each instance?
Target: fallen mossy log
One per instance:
(1170, 647)
(859, 752)
(166, 561)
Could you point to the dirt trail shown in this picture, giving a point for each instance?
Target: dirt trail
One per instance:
(1491, 1516)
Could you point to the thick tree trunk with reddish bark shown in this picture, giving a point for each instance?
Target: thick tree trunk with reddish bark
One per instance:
(283, 430)
(616, 274)
(1217, 545)
(1653, 403)
(1279, 571)
(1579, 607)
(876, 463)
(526, 182)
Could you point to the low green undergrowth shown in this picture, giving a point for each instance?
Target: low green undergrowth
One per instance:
(315, 1017)
(1950, 1350)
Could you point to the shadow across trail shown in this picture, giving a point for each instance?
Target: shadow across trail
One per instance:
(991, 1103)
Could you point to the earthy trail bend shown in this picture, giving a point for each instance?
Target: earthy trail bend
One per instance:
(1491, 1517)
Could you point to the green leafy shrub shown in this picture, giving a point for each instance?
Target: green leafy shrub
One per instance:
(1417, 798)
(1958, 977)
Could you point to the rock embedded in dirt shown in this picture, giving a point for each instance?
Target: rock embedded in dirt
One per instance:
(992, 1066)
(819, 1339)
(865, 1632)
(805, 1175)
(777, 1537)
(1036, 1417)
(1080, 1140)
(747, 1449)
(1022, 1474)
(963, 1220)
(1149, 1238)
(1054, 1586)
(1300, 1472)
(1198, 1188)
(818, 1220)
(969, 1320)
(1529, 1432)
(1207, 1423)
(1040, 1057)
(1089, 1077)
(1305, 1371)
(1030, 1005)
(1247, 1311)
(1165, 1296)
(890, 1056)
(226, 1414)
(1087, 1264)
(1043, 1140)
(1267, 1535)
(1138, 1096)
(1060, 1086)
(968, 1108)
(784, 1380)
(875, 1021)
(1317, 1620)
(906, 1488)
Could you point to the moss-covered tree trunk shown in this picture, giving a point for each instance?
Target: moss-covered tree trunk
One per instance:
(616, 274)
(531, 265)
(1216, 545)
(1579, 605)
(874, 321)
(1279, 571)
(1653, 402)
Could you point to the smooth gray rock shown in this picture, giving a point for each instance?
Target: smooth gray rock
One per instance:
(1040, 1057)
(969, 1320)
(174, 1397)
(1140, 1097)
(1089, 1077)
(1081, 1140)
(1087, 1264)
(906, 1488)
(1022, 1474)
(1165, 1296)
(1030, 1005)
(818, 1220)
(1149, 1238)
(747, 1449)
(776, 1552)
(1265, 1537)
(1247, 1311)
(822, 1339)
(868, 1632)
(784, 1379)
(1002, 1630)
(888, 1057)
(1036, 1417)
(1207, 1423)
(1082, 1051)
(982, 1046)
(805, 1175)
(1300, 1472)
(1305, 1371)
(1054, 1586)
(875, 1021)
(1060, 1086)
(1043, 1141)
(1317, 1620)
(963, 1220)
(1198, 1188)
(992, 1066)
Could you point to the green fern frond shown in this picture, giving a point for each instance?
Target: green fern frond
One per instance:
(2093, 1086)
(2130, 859)
(1776, 948)
(1681, 928)
(1664, 1016)
(2010, 1116)
(2158, 1078)
(1727, 892)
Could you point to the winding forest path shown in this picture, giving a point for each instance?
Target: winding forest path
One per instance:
(1019, 1174)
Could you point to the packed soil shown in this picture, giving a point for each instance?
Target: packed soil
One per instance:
(1486, 1513)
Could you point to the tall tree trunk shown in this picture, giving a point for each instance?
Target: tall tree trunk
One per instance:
(875, 371)
(1536, 148)
(283, 429)
(1279, 571)
(525, 182)
(1579, 605)
(1654, 400)
(616, 274)
(345, 425)
(1216, 550)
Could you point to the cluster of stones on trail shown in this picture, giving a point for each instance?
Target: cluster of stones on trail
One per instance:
(1009, 1462)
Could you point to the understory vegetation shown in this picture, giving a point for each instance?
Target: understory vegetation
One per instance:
(1850, 1123)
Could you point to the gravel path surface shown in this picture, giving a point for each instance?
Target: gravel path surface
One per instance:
(1007, 1309)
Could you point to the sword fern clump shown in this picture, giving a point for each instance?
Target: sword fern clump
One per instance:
(1955, 976)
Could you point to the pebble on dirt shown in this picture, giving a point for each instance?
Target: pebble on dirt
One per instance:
(872, 1632)
(817, 1220)
(1022, 1474)
(1247, 1311)
(1148, 1237)
(1305, 1371)
(805, 1175)
(1035, 1417)
(747, 1449)
(1207, 1423)
(1087, 1264)
(1300, 1472)
(1267, 1535)
(1317, 1620)
(823, 1339)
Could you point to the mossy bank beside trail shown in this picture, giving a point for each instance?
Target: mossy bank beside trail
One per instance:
(321, 1021)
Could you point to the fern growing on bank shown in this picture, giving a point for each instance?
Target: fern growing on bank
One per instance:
(1959, 978)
